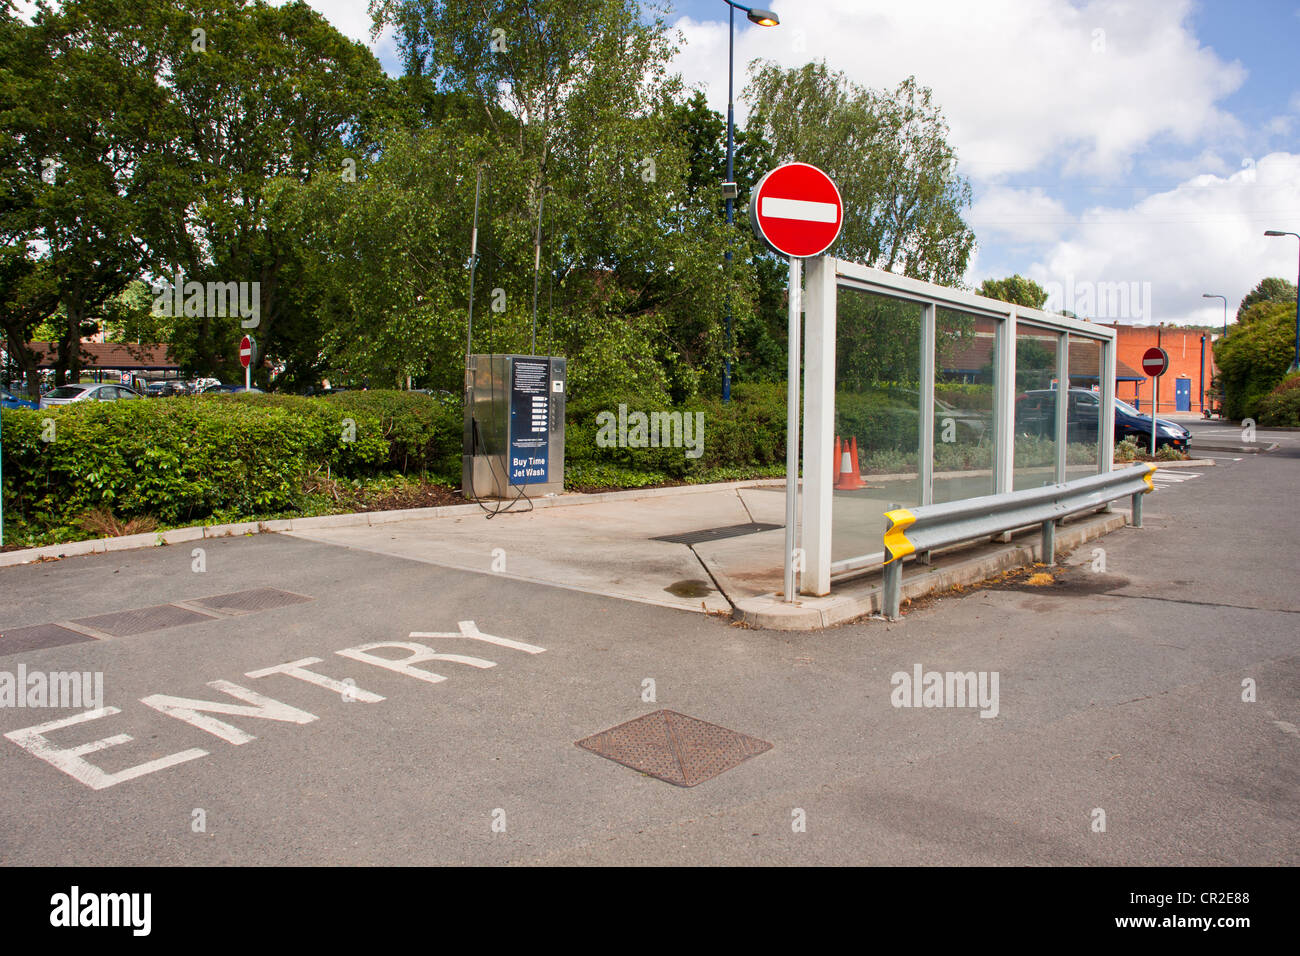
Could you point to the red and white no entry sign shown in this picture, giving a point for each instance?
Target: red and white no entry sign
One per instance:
(797, 210)
(245, 351)
(1155, 361)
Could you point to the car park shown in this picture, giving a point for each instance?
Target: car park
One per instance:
(67, 394)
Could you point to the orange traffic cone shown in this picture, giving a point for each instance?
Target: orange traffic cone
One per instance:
(849, 479)
(835, 461)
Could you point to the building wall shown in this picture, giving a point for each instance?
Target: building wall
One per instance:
(1184, 348)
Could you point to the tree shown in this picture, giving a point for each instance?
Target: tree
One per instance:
(887, 153)
(1255, 357)
(1271, 289)
(1015, 289)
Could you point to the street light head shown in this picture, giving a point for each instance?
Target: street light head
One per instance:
(764, 18)
(1273, 232)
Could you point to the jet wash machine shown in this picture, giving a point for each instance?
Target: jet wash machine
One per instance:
(514, 426)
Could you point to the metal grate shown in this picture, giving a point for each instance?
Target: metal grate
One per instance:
(681, 750)
(255, 599)
(715, 534)
(141, 620)
(18, 639)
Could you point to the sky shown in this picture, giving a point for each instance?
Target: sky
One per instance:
(1142, 142)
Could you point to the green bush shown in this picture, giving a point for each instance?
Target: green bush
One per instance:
(190, 460)
(1281, 407)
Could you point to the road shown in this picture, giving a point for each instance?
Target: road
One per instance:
(1120, 737)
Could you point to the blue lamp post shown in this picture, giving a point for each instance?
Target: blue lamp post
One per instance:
(764, 18)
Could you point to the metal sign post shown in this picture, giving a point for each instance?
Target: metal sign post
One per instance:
(1155, 362)
(792, 422)
(795, 210)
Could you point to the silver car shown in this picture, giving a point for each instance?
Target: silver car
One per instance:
(67, 394)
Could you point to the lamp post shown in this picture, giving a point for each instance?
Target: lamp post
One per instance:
(1295, 362)
(764, 18)
(1210, 295)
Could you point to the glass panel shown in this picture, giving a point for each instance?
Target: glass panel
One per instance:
(1035, 414)
(1083, 433)
(965, 360)
(877, 402)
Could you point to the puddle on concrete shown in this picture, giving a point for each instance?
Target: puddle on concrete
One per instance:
(691, 588)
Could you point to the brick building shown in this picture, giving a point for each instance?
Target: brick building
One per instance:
(1191, 366)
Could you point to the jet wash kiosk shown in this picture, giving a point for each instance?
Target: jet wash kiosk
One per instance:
(514, 426)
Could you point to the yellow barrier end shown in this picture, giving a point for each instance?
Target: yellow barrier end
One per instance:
(896, 544)
(1151, 485)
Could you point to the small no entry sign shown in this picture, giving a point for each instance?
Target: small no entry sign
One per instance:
(797, 210)
(245, 351)
(1155, 361)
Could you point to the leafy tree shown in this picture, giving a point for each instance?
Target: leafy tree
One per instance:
(887, 153)
(1271, 289)
(1255, 356)
(1015, 289)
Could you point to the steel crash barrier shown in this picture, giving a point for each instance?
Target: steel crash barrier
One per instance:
(927, 528)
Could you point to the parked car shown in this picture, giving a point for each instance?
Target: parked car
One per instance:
(155, 389)
(1036, 416)
(219, 389)
(67, 394)
(10, 401)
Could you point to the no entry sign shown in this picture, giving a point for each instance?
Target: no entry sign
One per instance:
(245, 351)
(797, 210)
(1155, 361)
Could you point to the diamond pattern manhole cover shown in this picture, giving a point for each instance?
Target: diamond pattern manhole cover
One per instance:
(18, 639)
(681, 750)
(255, 599)
(140, 620)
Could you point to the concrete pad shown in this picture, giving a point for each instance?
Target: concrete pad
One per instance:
(606, 547)
(756, 589)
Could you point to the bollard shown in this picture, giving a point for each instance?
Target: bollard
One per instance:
(1049, 542)
(891, 591)
(1137, 509)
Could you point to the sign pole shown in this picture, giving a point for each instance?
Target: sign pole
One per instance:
(248, 376)
(1155, 391)
(795, 297)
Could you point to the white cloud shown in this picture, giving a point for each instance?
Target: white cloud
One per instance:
(1205, 235)
(1020, 81)
(1017, 215)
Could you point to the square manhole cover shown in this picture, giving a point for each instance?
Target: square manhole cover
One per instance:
(254, 599)
(18, 639)
(717, 534)
(681, 750)
(141, 620)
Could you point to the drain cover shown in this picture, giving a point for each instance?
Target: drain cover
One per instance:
(255, 599)
(714, 534)
(18, 639)
(126, 623)
(681, 750)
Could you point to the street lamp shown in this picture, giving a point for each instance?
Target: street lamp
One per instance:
(1295, 362)
(764, 18)
(1210, 295)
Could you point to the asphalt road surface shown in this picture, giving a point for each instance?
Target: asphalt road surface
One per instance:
(1146, 710)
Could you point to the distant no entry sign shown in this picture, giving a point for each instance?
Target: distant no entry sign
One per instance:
(797, 210)
(245, 351)
(1155, 361)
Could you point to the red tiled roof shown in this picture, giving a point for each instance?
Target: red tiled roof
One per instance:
(114, 355)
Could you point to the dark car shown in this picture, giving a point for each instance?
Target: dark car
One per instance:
(1036, 416)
